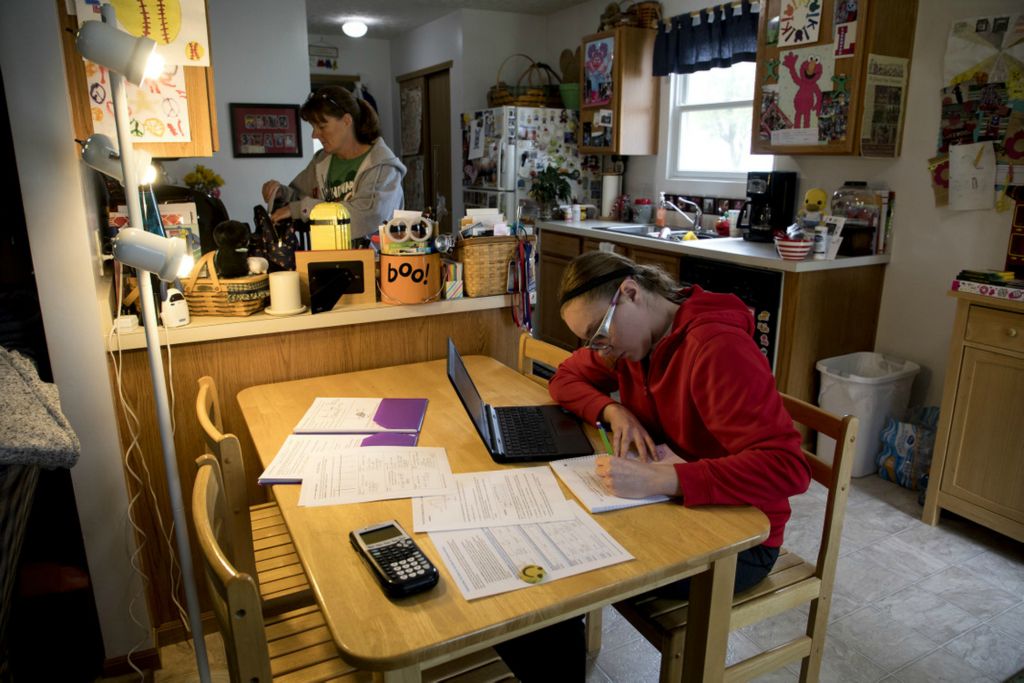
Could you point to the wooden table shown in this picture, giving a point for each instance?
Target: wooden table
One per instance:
(669, 541)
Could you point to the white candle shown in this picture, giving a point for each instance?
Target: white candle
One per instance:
(284, 291)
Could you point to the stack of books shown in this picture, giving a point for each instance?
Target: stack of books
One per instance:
(1001, 284)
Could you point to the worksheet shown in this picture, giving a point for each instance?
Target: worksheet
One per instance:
(498, 498)
(300, 451)
(362, 415)
(358, 475)
(500, 559)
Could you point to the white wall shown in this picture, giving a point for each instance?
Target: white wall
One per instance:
(58, 218)
(370, 59)
(259, 52)
(489, 38)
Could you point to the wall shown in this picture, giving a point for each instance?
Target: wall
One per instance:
(254, 60)
(490, 47)
(370, 59)
(57, 215)
(930, 245)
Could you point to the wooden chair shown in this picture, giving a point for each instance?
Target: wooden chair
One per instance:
(295, 645)
(792, 581)
(536, 351)
(260, 544)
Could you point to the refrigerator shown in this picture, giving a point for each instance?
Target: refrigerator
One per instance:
(503, 147)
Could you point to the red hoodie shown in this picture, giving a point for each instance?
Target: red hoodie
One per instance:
(706, 391)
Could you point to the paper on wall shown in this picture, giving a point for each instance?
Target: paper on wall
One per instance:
(803, 75)
(177, 26)
(157, 110)
(972, 175)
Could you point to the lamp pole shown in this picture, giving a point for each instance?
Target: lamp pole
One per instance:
(156, 369)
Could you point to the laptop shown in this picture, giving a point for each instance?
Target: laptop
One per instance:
(518, 433)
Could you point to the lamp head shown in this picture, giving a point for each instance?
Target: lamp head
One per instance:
(132, 57)
(166, 257)
(99, 153)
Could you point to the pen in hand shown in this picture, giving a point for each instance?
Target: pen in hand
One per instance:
(604, 437)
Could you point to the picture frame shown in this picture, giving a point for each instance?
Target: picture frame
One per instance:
(342, 258)
(265, 130)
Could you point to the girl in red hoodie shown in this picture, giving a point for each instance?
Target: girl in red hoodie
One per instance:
(690, 377)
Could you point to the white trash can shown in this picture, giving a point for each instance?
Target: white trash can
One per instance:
(871, 386)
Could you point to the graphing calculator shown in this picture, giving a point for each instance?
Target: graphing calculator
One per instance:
(397, 562)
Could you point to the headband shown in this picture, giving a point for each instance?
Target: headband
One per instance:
(596, 282)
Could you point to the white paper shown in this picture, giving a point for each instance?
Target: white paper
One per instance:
(580, 476)
(498, 498)
(300, 452)
(800, 22)
(795, 136)
(476, 139)
(177, 26)
(157, 109)
(885, 97)
(972, 176)
(370, 473)
(486, 562)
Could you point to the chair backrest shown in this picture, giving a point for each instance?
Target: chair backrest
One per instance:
(235, 597)
(831, 472)
(228, 452)
(533, 350)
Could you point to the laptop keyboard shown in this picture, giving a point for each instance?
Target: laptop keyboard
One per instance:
(524, 430)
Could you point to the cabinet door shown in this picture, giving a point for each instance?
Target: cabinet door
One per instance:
(551, 327)
(986, 441)
(602, 245)
(813, 99)
(667, 262)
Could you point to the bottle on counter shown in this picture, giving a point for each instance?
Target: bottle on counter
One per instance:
(660, 211)
(627, 209)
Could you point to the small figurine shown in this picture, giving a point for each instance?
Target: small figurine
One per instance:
(232, 239)
(814, 201)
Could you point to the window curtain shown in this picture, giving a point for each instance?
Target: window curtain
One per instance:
(721, 36)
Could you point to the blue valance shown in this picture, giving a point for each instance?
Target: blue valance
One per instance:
(721, 36)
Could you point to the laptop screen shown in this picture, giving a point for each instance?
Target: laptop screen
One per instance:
(467, 392)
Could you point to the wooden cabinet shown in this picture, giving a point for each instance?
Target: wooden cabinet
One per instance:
(556, 251)
(837, 84)
(667, 262)
(202, 114)
(619, 96)
(978, 464)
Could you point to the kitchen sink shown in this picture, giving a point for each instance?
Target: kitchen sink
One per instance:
(652, 232)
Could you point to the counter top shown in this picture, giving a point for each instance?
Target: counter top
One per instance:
(209, 328)
(728, 249)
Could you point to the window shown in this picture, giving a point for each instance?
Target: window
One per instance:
(710, 121)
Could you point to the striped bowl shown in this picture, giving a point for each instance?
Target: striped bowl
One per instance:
(793, 250)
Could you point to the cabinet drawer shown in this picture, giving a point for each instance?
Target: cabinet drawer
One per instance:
(1001, 329)
(559, 245)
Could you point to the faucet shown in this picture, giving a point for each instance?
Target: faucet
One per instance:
(695, 221)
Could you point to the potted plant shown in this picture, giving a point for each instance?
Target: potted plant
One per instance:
(550, 187)
(203, 179)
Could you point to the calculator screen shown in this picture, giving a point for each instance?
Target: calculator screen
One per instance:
(378, 535)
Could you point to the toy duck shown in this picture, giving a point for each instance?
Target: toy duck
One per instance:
(814, 202)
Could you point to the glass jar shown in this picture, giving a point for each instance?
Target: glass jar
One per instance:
(861, 208)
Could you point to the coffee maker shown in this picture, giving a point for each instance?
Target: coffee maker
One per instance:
(771, 200)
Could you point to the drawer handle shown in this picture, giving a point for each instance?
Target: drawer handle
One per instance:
(1011, 333)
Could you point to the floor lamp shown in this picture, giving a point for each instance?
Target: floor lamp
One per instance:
(128, 57)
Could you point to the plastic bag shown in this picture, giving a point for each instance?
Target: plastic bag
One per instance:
(907, 446)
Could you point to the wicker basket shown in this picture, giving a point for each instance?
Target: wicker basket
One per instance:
(207, 294)
(539, 90)
(485, 262)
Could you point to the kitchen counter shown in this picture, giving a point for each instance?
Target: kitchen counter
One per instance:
(729, 249)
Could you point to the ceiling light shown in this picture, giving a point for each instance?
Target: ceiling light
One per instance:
(354, 29)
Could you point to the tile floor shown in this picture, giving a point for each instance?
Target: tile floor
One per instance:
(912, 603)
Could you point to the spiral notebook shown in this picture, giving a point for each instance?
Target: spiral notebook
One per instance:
(578, 474)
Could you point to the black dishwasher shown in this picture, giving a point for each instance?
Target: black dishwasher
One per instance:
(759, 289)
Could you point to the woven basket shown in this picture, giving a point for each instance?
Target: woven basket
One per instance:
(485, 264)
(539, 90)
(642, 15)
(207, 294)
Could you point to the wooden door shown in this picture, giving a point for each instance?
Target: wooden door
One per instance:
(425, 139)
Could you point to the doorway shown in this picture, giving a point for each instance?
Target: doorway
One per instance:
(426, 141)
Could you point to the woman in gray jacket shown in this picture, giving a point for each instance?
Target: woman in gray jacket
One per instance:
(354, 167)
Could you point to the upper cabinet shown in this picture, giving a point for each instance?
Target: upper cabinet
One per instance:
(198, 84)
(832, 76)
(619, 96)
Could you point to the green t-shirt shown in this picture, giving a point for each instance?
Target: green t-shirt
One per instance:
(341, 176)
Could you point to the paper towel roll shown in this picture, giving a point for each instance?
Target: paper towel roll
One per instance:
(611, 188)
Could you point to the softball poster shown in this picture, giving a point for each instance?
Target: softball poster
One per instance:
(177, 26)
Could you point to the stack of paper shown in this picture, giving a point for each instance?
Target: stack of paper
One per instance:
(579, 475)
(363, 416)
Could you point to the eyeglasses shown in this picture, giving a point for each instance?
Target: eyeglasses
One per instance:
(320, 95)
(599, 341)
